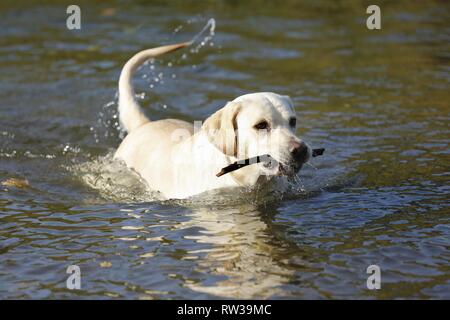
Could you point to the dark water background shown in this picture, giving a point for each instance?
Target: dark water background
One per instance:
(378, 101)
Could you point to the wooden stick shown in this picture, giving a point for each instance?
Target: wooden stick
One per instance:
(263, 158)
(243, 163)
(318, 152)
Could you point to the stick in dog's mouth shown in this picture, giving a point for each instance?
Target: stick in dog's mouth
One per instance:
(263, 158)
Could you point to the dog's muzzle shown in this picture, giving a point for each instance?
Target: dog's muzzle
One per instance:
(299, 152)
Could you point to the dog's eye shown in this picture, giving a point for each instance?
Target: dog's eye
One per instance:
(292, 122)
(263, 125)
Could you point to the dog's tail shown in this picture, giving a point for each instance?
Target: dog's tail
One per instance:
(130, 113)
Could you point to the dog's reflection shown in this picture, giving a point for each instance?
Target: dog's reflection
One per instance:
(245, 255)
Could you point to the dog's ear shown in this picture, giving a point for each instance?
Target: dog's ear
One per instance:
(221, 128)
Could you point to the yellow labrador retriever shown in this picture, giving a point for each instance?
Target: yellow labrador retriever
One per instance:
(180, 159)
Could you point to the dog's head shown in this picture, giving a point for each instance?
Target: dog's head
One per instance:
(257, 124)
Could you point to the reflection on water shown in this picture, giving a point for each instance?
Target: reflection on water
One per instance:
(241, 252)
(377, 101)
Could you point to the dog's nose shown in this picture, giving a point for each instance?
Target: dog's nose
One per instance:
(299, 150)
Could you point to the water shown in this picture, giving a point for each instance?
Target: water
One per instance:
(376, 100)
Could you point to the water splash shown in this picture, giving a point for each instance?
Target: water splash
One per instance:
(107, 128)
(211, 26)
(113, 180)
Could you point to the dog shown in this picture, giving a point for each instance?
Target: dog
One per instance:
(180, 160)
